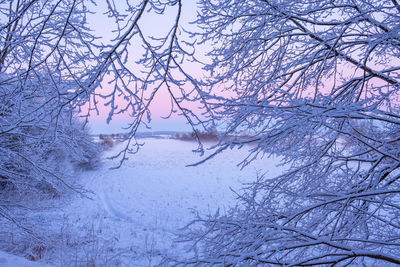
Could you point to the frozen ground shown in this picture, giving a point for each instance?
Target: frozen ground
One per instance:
(135, 211)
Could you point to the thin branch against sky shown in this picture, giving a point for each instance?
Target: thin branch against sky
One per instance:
(154, 25)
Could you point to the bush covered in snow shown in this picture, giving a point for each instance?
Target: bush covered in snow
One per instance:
(39, 156)
(39, 151)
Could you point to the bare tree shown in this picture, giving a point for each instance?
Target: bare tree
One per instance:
(53, 67)
(142, 60)
(315, 82)
(42, 50)
(52, 64)
(43, 47)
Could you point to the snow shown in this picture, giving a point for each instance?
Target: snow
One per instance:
(136, 210)
(9, 260)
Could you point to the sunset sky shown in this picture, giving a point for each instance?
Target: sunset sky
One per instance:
(154, 25)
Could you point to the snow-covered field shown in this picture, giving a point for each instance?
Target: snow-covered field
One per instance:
(9, 260)
(136, 210)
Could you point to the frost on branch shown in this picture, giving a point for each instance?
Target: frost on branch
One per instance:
(143, 61)
(317, 83)
(43, 47)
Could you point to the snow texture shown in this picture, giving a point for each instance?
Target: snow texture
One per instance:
(9, 260)
(136, 210)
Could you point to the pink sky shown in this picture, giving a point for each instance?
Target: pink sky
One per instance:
(159, 108)
(161, 105)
